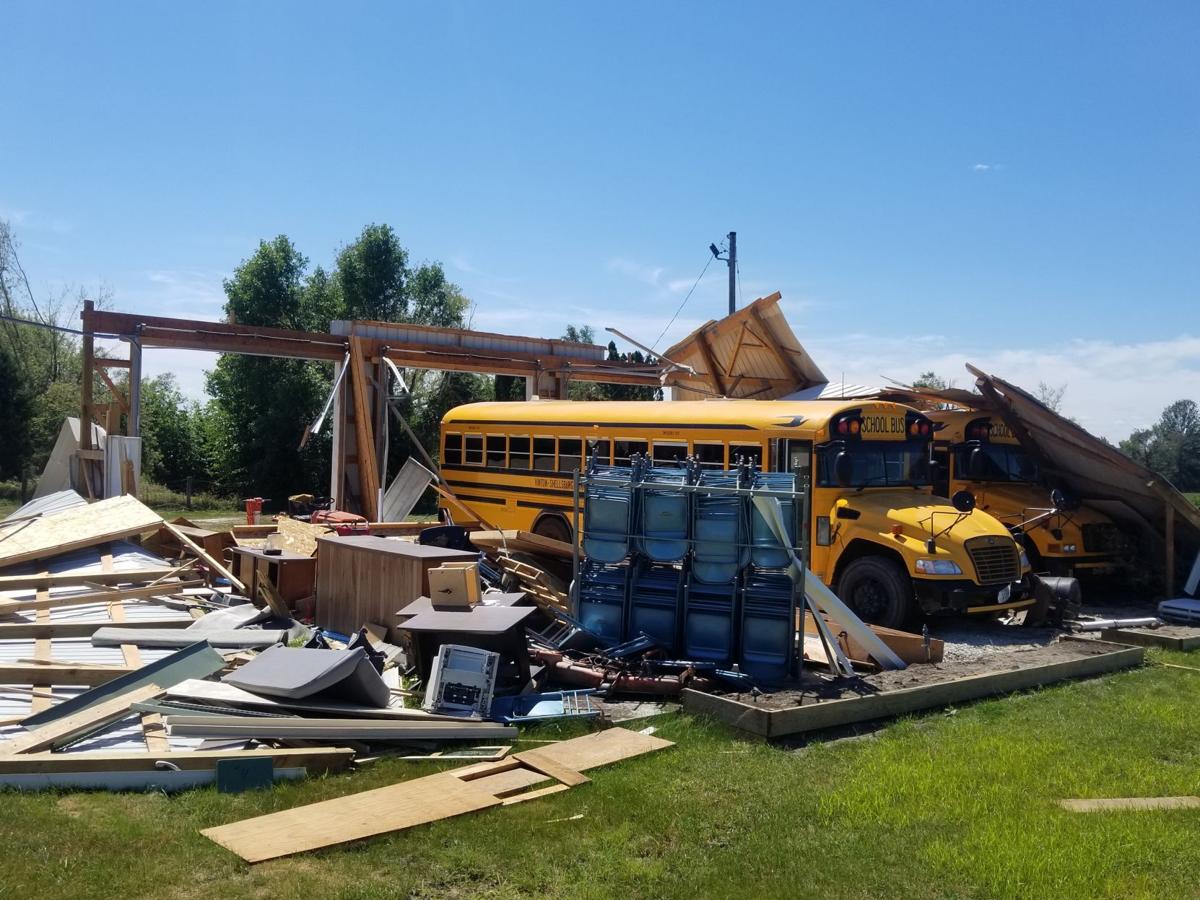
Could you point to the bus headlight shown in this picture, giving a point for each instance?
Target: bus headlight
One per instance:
(938, 567)
(1068, 548)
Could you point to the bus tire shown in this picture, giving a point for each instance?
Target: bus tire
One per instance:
(553, 526)
(878, 590)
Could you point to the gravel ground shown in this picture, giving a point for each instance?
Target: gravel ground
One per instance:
(971, 639)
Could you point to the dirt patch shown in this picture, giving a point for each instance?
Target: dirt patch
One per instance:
(813, 688)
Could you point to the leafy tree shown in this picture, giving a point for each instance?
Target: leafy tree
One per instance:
(1051, 396)
(265, 403)
(1171, 447)
(15, 405)
(171, 451)
(932, 381)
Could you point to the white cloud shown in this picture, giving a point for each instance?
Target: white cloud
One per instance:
(182, 293)
(984, 167)
(649, 275)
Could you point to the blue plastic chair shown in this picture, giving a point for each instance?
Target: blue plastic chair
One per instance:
(767, 625)
(664, 515)
(766, 551)
(719, 528)
(655, 598)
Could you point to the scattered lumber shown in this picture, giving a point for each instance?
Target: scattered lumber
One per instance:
(315, 759)
(204, 557)
(536, 584)
(514, 541)
(1125, 804)
(60, 674)
(424, 800)
(63, 731)
(164, 589)
(67, 579)
(74, 529)
(296, 727)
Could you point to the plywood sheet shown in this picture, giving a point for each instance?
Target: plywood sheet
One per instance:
(1130, 803)
(601, 748)
(74, 529)
(352, 818)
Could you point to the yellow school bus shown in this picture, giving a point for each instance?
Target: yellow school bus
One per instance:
(879, 537)
(976, 452)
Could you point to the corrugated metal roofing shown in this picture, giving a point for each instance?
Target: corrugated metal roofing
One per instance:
(48, 505)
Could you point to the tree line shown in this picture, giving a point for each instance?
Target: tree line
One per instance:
(242, 439)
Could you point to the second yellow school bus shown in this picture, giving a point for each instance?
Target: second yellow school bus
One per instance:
(879, 536)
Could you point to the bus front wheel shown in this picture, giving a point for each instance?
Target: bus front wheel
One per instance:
(553, 527)
(878, 590)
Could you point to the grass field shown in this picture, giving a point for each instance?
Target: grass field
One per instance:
(949, 804)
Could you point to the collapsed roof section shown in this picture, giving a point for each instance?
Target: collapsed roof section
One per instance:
(1094, 471)
(752, 354)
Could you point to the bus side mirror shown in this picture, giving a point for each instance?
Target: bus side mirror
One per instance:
(843, 469)
(976, 463)
(1061, 500)
(963, 501)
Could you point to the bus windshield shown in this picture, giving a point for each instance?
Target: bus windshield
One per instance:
(995, 462)
(874, 464)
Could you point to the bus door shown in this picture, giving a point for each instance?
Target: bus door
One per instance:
(939, 461)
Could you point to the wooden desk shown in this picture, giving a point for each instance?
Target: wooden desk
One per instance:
(292, 575)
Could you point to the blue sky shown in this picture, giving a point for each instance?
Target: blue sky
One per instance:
(1015, 184)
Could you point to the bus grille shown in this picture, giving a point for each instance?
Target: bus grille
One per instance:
(996, 559)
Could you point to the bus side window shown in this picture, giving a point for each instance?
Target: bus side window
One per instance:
(710, 456)
(568, 454)
(495, 450)
(669, 453)
(543, 454)
(599, 450)
(748, 452)
(452, 455)
(626, 449)
(474, 450)
(518, 451)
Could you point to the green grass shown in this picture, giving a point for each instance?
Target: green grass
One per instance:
(958, 804)
(1195, 498)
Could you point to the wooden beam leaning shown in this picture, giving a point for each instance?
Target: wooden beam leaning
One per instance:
(368, 470)
(136, 593)
(314, 759)
(93, 718)
(200, 553)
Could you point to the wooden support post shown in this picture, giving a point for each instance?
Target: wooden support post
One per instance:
(1169, 547)
(368, 472)
(134, 425)
(715, 377)
(85, 389)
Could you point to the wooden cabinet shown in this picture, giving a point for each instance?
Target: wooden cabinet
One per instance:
(362, 579)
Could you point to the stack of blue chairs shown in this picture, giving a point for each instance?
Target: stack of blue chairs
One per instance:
(766, 625)
(602, 593)
(709, 621)
(766, 551)
(719, 529)
(655, 598)
(663, 515)
(608, 514)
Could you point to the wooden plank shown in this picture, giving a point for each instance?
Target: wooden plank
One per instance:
(601, 748)
(63, 730)
(75, 529)
(834, 713)
(1129, 803)
(534, 795)
(540, 761)
(47, 580)
(203, 556)
(1171, 640)
(351, 818)
(164, 589)
(522, 541)
(1169, 549)
(59, 674)
(332, 730)
(47, 630)
(315, 759)
(368, 470)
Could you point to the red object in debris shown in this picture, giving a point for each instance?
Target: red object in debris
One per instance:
(343, 523)
(253, 510)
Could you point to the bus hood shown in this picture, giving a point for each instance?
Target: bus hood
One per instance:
(1015, 503)
(913, 511)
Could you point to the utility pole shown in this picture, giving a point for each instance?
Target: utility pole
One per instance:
(730, 260)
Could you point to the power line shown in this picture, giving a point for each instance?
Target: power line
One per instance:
(684, 303)
(61, 328)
